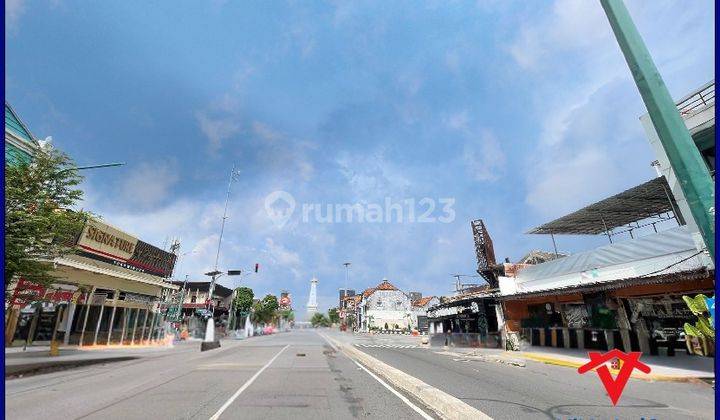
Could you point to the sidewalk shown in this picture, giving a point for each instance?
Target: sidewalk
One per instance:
(663, 368)
(37, 359)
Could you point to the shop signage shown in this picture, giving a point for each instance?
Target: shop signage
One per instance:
(105, 243)
(137, 298)
(27, 291)
(453, 310)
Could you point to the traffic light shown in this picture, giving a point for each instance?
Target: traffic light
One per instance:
(257, 267)
(234, 272)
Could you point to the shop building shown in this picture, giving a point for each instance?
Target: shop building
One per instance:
(419, 308)
(384, 308)
(468, 319)
(20, 144)
(196, 301)
(626, 294)
(106, 292)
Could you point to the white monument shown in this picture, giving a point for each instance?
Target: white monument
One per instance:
(312, 299)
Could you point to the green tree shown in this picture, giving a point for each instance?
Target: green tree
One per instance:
(270, 303)
(265, 310)
(319, 320)
(333, 316)
(243, 299)
(39, 225)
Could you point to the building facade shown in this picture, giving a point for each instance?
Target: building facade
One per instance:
(107, 292)
(20, 144)
(419, 308)
(384, 308)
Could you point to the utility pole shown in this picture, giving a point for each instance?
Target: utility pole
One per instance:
(685, 159)
(215, 274)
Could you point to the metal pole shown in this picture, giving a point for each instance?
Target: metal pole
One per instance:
(124, 324)
(222, 230)
(685, 159)
(112, 321)
(607, 232)
(87, 312)
(144, 328)
(554, 244)
(99, 321)
(137, 316)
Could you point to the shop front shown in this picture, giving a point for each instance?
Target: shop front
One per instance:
(106, 293)
(464, 321)
(641, 314)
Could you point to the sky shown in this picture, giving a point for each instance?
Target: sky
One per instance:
(515, 112)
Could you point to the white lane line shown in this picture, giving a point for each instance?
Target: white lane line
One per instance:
(397, 394)
(246, 385)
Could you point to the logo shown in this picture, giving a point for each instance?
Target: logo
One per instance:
(279, 206)
(626, 362)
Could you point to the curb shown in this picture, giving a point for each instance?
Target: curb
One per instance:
(12, 371)
(642, 376)
(445, 405)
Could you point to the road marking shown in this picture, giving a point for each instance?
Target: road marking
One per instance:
(391, 389)
(388, 346)
(399, 395)
(246, 385)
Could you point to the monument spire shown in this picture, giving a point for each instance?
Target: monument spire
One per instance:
(312, 299)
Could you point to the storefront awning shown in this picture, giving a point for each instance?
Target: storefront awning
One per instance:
(646, 200)
(600, 286)
(98, 267)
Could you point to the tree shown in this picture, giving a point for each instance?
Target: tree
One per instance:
(350, 320)
(243, 299)
(333, 316)
(242, 303)
(265, 310)
(319, 320)
(39, 225)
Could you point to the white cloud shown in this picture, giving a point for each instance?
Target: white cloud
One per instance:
(280, 254)
(217, 129)
(149, 184)
(483, 157)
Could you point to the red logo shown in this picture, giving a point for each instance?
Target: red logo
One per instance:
(627, 362)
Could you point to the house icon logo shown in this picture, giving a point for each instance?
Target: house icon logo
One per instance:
(626, 362)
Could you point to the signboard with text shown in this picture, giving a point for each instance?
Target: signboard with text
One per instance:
(108, 244)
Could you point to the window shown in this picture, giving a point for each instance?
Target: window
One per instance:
(193, 299)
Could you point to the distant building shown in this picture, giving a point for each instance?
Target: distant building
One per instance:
(342, 294)
(384, 307)
(419, 311)
(414, 296)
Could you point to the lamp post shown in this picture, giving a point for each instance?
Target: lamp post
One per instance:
(103, 165)
(215, 274)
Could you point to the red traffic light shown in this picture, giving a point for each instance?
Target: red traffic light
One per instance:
(257, 267)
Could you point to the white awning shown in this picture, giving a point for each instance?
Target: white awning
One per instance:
(100, 267)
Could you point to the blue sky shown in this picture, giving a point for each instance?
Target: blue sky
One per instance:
(519, 111)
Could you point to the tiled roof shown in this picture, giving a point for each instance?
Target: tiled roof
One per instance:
(385, 285)
(369, 291)
(422, 301)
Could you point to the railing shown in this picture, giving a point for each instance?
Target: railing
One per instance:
(698, 100)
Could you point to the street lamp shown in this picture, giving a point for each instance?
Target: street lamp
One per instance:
(210, 342)
(79, 168)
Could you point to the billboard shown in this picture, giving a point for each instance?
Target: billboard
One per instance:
(108, 244)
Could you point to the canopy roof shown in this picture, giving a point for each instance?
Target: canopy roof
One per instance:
(641, 202)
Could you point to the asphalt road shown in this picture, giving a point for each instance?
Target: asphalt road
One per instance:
(293, 375)
(536, 391)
